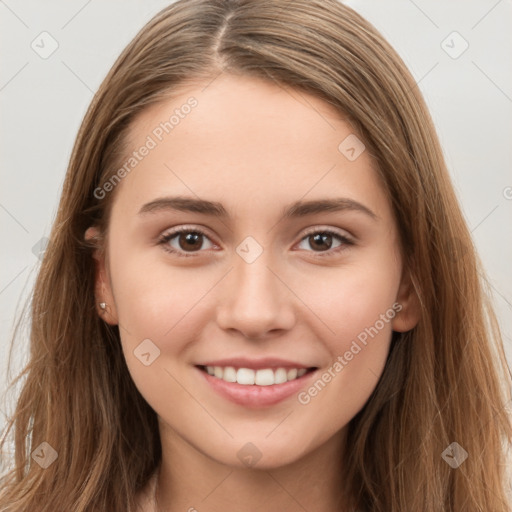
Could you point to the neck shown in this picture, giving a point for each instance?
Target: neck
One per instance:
(189, 480)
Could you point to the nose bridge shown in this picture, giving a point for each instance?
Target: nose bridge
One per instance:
(255, 300)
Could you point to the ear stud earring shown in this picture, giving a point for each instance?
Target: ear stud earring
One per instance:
(103, 306)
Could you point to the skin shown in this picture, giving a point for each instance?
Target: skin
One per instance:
(256, 148)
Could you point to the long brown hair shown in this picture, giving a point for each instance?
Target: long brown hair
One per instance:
(445, 381)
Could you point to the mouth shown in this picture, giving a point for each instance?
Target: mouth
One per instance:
(255, 377)
(256, 387)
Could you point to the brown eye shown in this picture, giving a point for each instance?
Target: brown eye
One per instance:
(322, 242)
(185, 242)
(326, 241)
(190, 241)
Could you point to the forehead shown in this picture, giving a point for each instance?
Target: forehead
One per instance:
(248, 143)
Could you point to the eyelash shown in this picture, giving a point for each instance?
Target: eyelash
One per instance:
(164, 239)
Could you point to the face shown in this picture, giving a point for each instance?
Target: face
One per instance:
(250, 241)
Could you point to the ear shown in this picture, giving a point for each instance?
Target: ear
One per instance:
(102, 287)
(409, 314)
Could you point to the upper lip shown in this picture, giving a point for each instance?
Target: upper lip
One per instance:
(256, 364)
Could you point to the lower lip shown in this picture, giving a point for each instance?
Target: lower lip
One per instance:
(256, 396)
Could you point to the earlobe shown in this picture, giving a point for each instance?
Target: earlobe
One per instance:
(409, 314)
(103, 291)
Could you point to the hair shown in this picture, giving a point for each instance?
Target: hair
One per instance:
(446, 380)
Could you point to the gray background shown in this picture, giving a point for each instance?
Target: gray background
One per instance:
(43, 100)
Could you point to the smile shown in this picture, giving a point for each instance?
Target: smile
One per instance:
(255, 387)
(249, 377)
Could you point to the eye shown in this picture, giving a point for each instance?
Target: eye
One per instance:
(323, 240)
(184, 240)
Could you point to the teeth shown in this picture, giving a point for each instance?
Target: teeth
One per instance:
(245, 376)
(292, 374)
(280, 376)
(248, 376)
(264, 377)
(229, 374)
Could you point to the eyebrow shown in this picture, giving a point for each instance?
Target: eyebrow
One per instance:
(295, 210)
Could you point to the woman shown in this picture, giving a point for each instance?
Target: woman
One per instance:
(260, 292)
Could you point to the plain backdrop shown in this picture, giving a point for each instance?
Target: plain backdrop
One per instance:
(56, 53)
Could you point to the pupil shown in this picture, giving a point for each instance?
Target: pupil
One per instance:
(191, 241)
(322, 238)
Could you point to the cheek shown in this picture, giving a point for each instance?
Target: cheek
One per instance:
(351, 299)
(358, 304)
(162, 304)
(158, 311)
(153, 298)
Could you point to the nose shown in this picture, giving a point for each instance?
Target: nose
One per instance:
(256, 301)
